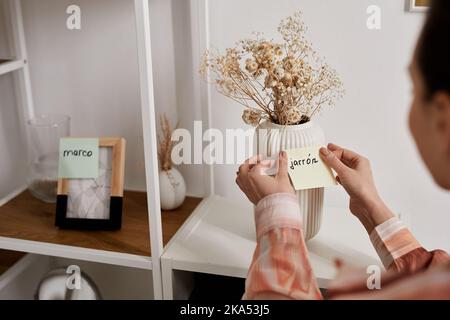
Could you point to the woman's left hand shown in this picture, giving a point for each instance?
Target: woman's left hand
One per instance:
(256, 185)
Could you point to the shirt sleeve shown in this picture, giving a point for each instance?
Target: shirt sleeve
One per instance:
(280, 267)
(399, 250)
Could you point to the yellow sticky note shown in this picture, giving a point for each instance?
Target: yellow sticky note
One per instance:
(307, 170)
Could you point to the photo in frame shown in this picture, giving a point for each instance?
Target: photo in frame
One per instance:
(418, 5)
(94, 203)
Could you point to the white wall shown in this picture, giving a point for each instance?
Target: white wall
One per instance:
(188, 107)
(92, 74)
(5, 46)
(12, 154)
(372, 118)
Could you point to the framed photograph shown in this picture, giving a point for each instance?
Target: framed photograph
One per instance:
(419, 5)
(95, 203)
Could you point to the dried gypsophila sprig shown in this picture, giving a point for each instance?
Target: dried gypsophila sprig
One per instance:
(286, 83)
(165, 143)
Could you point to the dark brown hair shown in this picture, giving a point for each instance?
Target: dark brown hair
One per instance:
(433, 53)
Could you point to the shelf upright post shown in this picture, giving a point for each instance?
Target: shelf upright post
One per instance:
(201, 42)
(23, 80)
(150, 139)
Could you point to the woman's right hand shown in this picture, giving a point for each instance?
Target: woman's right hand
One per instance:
(355, 175)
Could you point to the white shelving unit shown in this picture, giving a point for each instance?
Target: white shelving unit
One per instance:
(11, 66)
(19, 67)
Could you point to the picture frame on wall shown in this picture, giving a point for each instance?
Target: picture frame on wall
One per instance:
(95, 203)
(418, 5)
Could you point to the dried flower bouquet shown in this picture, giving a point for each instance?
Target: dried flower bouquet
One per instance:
(286, 83)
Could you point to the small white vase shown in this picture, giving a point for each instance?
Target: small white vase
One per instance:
(274, 138)
(172, 189)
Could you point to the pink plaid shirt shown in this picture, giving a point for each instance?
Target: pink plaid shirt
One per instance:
(280, 267)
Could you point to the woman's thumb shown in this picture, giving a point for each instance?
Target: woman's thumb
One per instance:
(332, 161)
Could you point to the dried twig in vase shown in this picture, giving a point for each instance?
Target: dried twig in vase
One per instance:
(165, 143)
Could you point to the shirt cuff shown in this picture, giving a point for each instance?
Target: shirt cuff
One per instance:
(280, 210)
(392, 240)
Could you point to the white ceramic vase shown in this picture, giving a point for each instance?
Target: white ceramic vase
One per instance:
(172, 189)
(271, 139)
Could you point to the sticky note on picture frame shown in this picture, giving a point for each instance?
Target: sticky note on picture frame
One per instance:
(78, 158)
(307, 170)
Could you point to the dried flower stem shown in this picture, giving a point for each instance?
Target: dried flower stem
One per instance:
(165, 143)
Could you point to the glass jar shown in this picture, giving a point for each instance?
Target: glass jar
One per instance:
(45, 131)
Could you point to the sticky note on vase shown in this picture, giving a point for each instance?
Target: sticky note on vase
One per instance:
(307, 170)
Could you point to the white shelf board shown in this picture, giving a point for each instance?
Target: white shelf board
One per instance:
(77, 253)
(10, 66)
(219, 238)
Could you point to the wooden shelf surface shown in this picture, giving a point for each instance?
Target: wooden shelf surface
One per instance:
(28, 218)
(173, 220)
(8, 259)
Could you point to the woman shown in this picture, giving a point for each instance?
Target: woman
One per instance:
(280, 268)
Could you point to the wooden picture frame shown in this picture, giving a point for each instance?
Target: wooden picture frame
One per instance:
(418, 5)
(113, 221)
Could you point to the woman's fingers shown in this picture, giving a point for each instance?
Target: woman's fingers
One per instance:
(243, 168)
(248, 164)
(345, 155)
(259, 168)
(333, 161)
(266, 163)
(282, 165)
(334, 147)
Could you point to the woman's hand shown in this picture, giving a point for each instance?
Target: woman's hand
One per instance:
(256, 185)
(355, 175)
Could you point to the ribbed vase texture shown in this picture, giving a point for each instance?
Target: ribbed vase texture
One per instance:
(271, 139)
